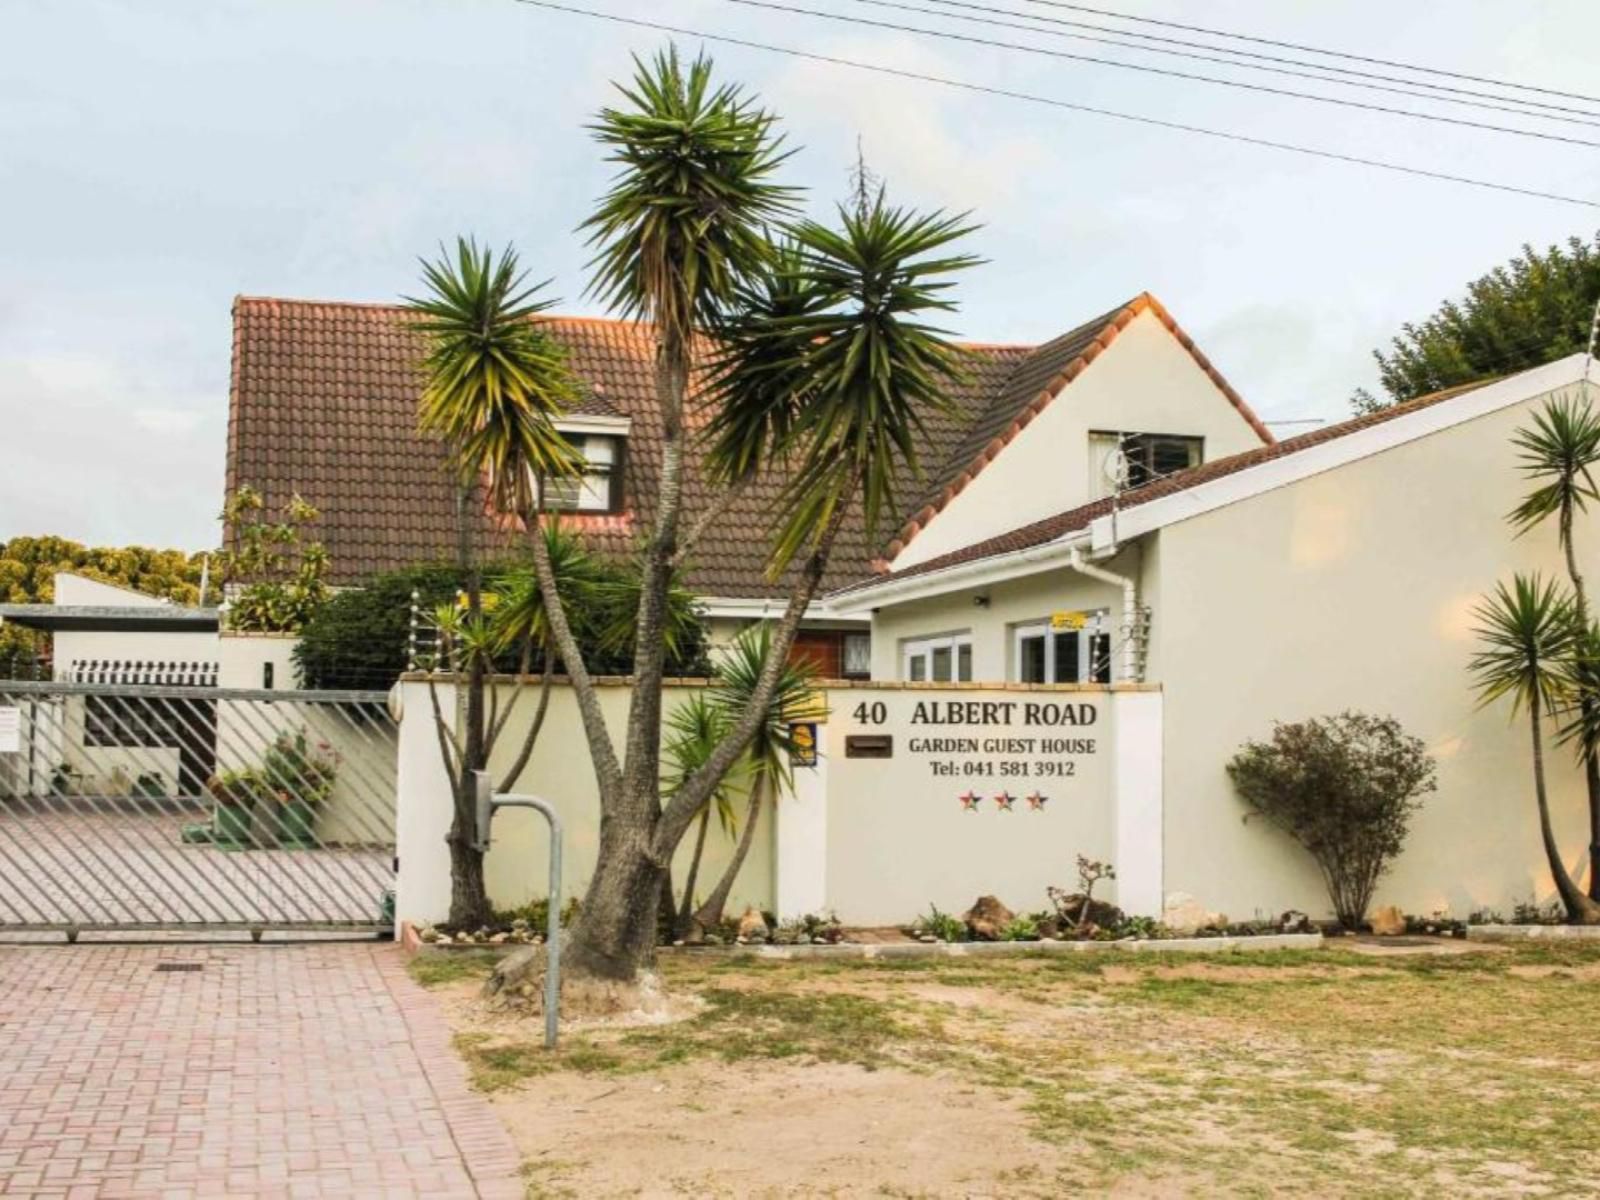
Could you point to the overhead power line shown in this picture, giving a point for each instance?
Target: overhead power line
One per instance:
(1067, 105)
(993, 43)
(1322, 72)
(1348, 57)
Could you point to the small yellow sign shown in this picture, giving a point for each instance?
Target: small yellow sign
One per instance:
(1068, 620)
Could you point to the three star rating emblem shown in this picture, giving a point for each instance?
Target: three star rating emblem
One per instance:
(1004, 801)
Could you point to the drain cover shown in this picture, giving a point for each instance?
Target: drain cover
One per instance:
(180, 966)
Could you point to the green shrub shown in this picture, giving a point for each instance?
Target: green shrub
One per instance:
(1344, 787)
(941, 925)
(1020, 929)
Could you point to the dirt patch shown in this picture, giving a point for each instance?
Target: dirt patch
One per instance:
(785, 1130)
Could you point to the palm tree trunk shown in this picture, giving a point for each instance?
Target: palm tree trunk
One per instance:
(685, 908)
(710, 914)
(1580, 909)
(469, 898)
(1586, 706)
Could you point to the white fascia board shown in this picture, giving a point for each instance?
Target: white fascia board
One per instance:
(765, 608)
(980, 572)
(593, 423)
(1109, 531)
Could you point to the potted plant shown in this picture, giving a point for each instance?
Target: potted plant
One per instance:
(235, 793)
(297, 776)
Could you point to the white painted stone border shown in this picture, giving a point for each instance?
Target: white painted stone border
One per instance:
(1196, 945)
(1524, 933)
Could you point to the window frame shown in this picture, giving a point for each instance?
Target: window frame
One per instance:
(1095, 633)
(613, 473)
(1196, 444)
(924, 648)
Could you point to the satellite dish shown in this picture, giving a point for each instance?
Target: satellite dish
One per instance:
(1115, 469)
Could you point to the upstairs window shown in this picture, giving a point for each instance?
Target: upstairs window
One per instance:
(1143, 458)
(599, 488)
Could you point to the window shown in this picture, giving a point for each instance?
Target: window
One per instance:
(1045, 654)
(599, 488)
(857, 655)
(1146, 458)
(938, 659)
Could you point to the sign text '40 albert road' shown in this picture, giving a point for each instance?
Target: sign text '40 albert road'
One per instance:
(999, 739)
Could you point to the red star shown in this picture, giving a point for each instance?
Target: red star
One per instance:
(1005, 800)
(1037, 802)
(969, 802)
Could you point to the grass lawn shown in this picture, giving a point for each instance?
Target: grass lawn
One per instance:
(1332, 1072)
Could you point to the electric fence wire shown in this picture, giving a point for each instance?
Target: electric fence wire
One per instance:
(1067, 105)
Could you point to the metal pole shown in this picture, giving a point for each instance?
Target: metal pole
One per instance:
(488, 803)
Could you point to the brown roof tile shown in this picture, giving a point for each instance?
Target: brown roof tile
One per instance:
(324, 399)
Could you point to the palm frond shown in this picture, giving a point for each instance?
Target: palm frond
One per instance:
(494, 380)
(683, 225)
(738, 670)
(1527, 634)
(1558, 453)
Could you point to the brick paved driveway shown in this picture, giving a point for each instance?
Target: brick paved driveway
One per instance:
(298, 1070)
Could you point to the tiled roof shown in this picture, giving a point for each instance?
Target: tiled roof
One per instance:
(1077, 520)
(324, 403)
(1038, 380)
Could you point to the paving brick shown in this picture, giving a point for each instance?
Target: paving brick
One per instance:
(309, 1070)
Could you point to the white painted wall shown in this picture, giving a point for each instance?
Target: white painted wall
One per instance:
(1145, 381)
(1355, 589)
(72, 589)
(1010, 604)
(876, 840)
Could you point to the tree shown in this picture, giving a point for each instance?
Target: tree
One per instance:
(821, 369)
(766, 760)
(1345, 787)
(278, 569)
(1558, 453)
(493, 382)
(27, 576)
(1528, 636)
(1535, 309)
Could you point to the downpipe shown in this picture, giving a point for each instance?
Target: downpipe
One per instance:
(1129, 670)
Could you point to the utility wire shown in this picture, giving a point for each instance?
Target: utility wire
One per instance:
(1328, 73)
(972, 39)
(1361, 58)
(1030, 98)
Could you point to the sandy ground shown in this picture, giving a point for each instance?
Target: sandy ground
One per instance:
(1414, 1071)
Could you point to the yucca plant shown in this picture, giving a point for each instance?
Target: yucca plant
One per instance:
(766, 759)
(694, 729)
(493, 381)
(1528, 635)
(1559, 454)
(831, 372)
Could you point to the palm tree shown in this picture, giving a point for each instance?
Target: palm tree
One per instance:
(1559, 454)
(766, 761)
(492, 382)
(683, 240)
(682, 227)
(1527, 633)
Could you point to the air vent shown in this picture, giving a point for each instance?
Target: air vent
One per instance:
(180, 966)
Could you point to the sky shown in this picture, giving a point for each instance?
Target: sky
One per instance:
(158, 158)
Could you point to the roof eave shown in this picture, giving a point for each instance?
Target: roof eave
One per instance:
(995, 568)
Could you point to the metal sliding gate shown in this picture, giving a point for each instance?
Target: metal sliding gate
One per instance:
(179, 807)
